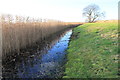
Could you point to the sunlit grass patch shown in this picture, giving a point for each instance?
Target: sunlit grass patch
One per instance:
(93, 52)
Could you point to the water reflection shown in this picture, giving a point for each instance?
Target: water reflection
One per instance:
(45, 63)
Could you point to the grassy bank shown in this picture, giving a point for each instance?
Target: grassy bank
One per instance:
(93, 51)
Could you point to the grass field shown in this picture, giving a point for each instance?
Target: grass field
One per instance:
(93, 51)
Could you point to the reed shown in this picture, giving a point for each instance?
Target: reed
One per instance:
(19, 32)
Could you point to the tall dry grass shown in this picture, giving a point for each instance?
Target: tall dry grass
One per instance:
(19, 32)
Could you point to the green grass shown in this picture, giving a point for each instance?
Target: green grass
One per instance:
(93, 51)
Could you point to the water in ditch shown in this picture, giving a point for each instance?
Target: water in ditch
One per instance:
(47, 63)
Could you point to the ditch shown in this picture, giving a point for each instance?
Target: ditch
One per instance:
(45, 61)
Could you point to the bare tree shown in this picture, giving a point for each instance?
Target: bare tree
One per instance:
(92, 13)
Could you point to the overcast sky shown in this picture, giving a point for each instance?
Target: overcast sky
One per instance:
(64, 10)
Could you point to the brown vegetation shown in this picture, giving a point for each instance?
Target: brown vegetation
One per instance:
(19, 32)
(107, 21)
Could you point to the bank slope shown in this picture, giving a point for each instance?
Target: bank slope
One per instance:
(93, 51)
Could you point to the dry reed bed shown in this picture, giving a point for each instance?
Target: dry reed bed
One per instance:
(19, 32)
